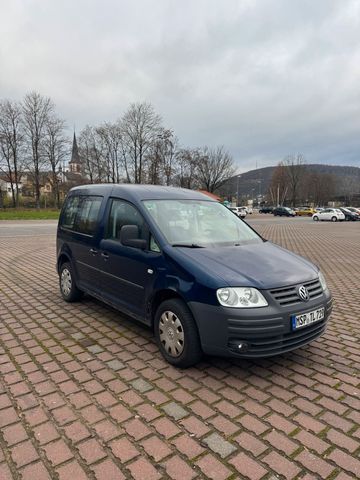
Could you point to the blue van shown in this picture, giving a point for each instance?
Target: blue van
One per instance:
(189, 268)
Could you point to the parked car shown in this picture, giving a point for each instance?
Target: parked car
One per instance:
(184, 265)
(283, 212)
(332, 214)
(353, 209)
(240, 211)
(266, 209)
(248, 208)
(304, 211)
(349, 215)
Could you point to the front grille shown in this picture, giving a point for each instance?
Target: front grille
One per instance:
(288, 295)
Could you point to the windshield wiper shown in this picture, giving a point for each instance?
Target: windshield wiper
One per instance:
(187, 245)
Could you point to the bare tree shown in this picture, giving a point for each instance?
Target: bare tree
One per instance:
(279, 185)
(295, 170)
(320, 187)
(161, 157)
(140, 127)
(56, 148)
(214, 167)
(349, 187)
(91, 152)
(11, 146)
(110, 136)
(36, 111)
(185, 168)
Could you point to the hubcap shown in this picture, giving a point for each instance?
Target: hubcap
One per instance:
(66, 282)
(171, 334)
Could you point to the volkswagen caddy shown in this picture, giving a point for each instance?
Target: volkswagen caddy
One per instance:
(189, 268)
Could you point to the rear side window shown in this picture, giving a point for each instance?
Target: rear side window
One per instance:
(81, 214)
(70, 210)
(87, 217)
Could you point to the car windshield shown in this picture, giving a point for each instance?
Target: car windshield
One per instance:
(199, 223)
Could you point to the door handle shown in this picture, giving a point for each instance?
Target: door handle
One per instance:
(105, 255)
(93, 251)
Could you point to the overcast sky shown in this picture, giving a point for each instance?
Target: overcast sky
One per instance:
(265, 78)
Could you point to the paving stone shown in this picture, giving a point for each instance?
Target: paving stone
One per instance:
(141, 385)
(218, 445)
(175, 410)
(71, 390)
(115, 365)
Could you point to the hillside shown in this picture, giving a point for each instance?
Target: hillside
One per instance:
(256, 182)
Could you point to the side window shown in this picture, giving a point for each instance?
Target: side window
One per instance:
(154, 247)
(87, 218)
(70, 210)
(123, 213)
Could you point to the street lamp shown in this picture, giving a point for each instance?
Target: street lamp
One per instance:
(237, 191)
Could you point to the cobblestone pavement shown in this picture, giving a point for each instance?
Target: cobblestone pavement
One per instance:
(84, 393)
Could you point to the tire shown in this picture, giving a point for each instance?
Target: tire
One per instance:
(68, 289)
(333, 219)
(316, 219)
(174, 318)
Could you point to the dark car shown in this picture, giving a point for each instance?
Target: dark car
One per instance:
(189, 268)
(266, 209)
(349, 215)
(283, 212)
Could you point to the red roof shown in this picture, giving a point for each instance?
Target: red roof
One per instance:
(211, 195)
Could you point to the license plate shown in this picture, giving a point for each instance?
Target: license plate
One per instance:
(304, 319)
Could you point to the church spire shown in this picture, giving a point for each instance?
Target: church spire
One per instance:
(75, 162)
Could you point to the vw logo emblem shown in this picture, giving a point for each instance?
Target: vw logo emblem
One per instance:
(303, 293)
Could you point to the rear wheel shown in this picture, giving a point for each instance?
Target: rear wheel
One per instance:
(176, 334)
(68, 288)
(333, 219)
(316, 219)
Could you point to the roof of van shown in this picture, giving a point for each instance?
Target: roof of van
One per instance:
(142, 192)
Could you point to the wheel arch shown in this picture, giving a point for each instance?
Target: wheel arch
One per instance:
(63, 258)
(160, 297)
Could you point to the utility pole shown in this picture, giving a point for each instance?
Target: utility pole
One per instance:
(237, 192)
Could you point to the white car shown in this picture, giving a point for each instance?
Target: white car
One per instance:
(240, 211)
(248, 209)
(331, 214)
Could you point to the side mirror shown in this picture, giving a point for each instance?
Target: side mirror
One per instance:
(129, 236)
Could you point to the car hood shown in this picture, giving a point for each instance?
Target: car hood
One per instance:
(263, 265)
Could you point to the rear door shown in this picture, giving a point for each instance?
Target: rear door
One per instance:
(83, 241)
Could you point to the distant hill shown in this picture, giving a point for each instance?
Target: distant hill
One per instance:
(257, 182)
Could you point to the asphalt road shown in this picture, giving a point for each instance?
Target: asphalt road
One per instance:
(27, 228)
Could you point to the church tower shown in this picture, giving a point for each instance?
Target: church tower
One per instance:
(75, 164)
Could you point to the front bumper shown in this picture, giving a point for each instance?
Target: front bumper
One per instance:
(267, 331)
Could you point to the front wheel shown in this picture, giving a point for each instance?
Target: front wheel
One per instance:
(334, 219)
(68, 288)
(316, 219)
(176, 334)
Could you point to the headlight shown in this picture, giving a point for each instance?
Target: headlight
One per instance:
(240, 297)
(322, 281)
